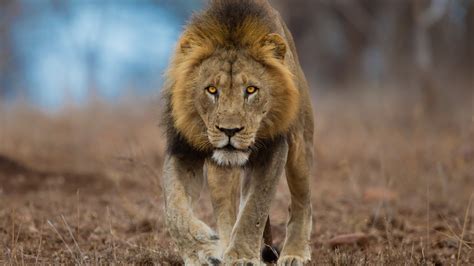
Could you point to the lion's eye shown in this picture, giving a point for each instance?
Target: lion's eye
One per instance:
(211, 90)
(251, 90)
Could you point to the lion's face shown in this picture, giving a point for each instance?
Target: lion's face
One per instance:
(232, 99)
(232, 95)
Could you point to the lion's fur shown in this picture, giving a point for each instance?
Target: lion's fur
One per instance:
(213, 30)
(252, 32)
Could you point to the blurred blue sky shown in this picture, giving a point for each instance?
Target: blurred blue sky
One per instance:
(68, 51)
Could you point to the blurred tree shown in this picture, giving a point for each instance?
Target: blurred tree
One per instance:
(427, 13)
(375, 41)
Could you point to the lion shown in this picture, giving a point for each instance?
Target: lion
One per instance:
(237, 114)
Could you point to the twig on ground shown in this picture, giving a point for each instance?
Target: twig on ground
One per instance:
(64, 241)
(112, 234)
(72, 236)
(427, 213)
(466, 217)
(38, 252)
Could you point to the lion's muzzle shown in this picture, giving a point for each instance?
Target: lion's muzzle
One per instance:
(230, 148)
(230, 132)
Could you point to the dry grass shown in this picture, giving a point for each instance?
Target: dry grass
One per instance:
(83, 186)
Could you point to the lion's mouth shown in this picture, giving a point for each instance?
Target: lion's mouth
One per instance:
(231, 156)
(230, 148)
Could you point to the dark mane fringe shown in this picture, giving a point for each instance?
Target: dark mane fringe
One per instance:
(233, 13)
(233, 22)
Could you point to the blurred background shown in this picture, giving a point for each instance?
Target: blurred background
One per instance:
(67, 52)
(81, 149)
(54, 53)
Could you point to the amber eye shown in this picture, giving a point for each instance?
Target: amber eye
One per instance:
(251, 90)
(212, 90)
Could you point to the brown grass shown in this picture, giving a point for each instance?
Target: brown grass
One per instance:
(83, 186)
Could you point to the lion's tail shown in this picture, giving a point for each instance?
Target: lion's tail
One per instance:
(269, 252)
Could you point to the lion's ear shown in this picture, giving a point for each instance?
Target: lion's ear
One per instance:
(275, 44)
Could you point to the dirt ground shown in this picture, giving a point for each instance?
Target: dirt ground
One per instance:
(83, 186)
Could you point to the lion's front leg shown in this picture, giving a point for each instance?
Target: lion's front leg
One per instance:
(258, 190)
(296, 249)
(182, 184)
(224, 186)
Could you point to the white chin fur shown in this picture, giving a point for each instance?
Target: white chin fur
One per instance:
(230, 158)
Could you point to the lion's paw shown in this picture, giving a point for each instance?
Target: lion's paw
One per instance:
(292, 261)
(241, 256)
(244, 262)
(207, 254)
(211, 261)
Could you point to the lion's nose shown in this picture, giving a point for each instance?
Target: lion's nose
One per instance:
(230, 132)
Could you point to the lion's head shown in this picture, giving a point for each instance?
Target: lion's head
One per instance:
(231, 89)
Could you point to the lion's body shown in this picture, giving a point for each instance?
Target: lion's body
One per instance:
(241, 141)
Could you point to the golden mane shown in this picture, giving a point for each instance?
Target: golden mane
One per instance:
(230, 25)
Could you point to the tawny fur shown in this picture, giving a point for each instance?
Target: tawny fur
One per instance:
(202, 38)
(232, 45)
